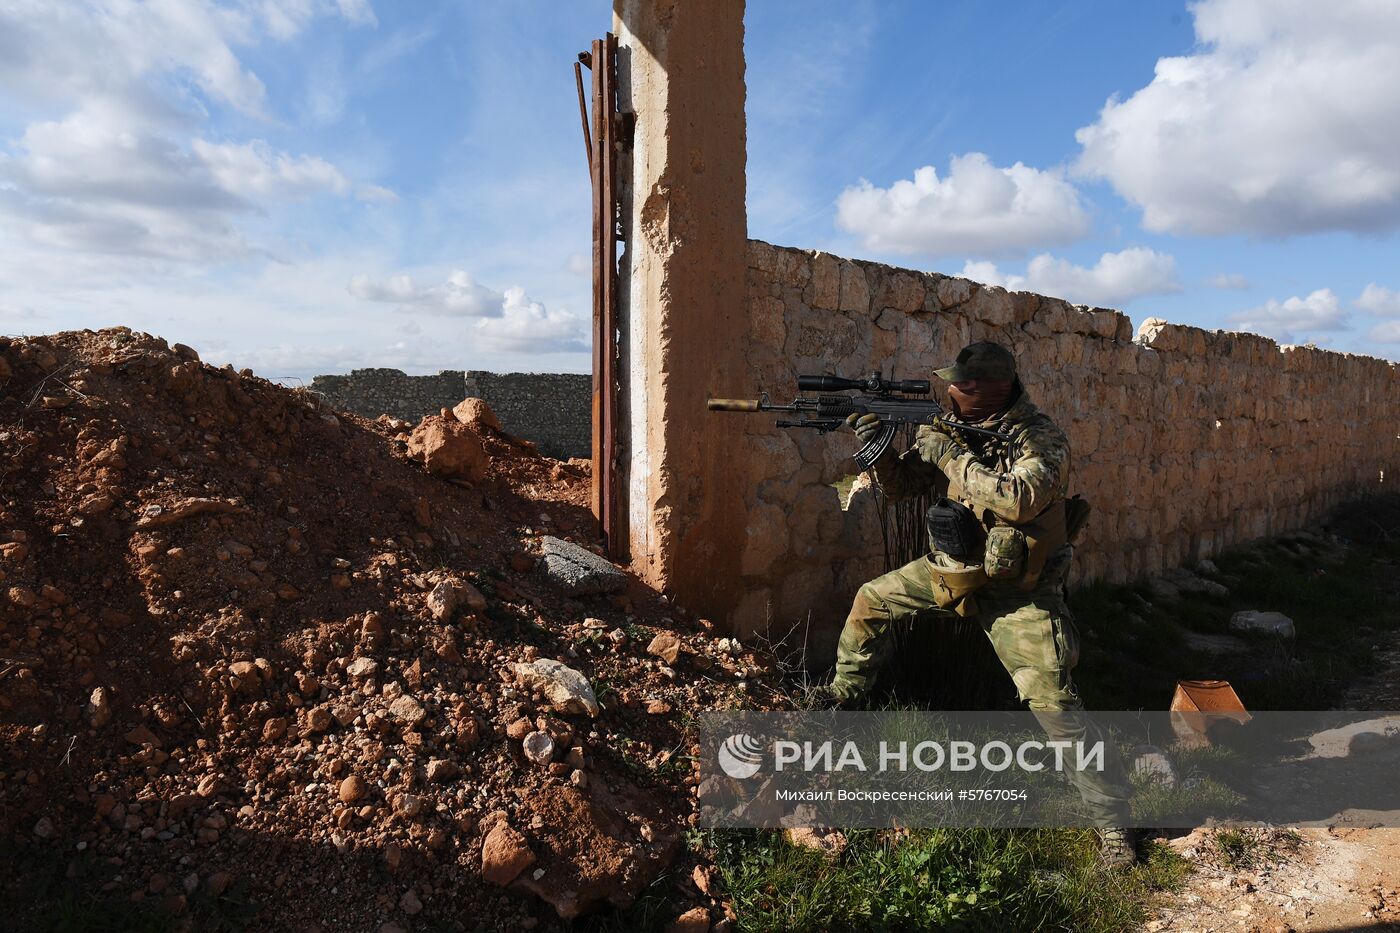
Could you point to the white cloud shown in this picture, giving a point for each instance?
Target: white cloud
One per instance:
(358, 12)
(399, 43)
(124, 171)
(988, 274)
(528, 327)
(506, 322)
(1231, 281)
(375, 194)
(1319, 311)
(978, 208)
(1287, 121)
(253, 170)
(327, 91)
(1379, 300)
(459, 296)
(285, 19)
(1385, 332)
(1115, 280)
(88, 184)
(579, 265)
(62, 50)
(16, 312)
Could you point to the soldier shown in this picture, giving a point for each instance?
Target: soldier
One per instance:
(1000, 551)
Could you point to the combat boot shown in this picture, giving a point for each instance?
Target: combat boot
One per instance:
(1117, 847)
(831, 697)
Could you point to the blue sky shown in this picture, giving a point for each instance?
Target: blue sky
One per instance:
(310, 186)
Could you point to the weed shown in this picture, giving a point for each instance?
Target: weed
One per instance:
(972, 879)
(1238, 849)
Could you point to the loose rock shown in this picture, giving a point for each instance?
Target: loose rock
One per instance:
(99, 708)
(665, 646)
(352, 789)
(407, 710)
(504, 855)
(564, 687)
(578, 572)
(1265, 623)
(538, 747)
(695, 920)
(362, 669)
(474, 412)
(448, 448)
(443, 601)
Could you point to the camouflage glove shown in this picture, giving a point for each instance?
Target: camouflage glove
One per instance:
(867, 427)
(939, 448)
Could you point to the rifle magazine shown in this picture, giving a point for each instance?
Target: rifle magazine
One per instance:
(865, 457)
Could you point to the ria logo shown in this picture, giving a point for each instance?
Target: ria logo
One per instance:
(740, 756)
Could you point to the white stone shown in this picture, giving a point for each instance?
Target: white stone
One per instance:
(1265, 623)
(564, 687)
(538, 747)
(1152, 763)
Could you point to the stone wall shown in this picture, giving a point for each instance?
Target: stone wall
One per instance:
(375, 392)
(551, 409)
(555, 410)
(1185, 441)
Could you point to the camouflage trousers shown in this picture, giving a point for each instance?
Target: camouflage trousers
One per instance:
(1033, 635)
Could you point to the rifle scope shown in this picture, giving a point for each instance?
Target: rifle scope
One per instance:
(871, 383)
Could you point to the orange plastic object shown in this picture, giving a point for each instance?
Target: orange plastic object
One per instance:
(1198, 705)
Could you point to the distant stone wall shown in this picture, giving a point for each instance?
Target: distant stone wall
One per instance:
(375, 392)
(555, 410)
(551, 409)
(1185, 441)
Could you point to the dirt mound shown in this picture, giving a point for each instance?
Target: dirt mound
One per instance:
(254, 656)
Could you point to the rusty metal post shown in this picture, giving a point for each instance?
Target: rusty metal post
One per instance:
(603, 164)
(583, 115)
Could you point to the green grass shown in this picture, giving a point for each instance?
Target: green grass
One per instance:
(1198, 790)
(1135, 650)
(638, 634)
(936, 878)
(1239, 849)
(654, 908)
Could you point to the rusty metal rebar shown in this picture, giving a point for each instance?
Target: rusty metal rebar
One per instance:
(583, 114)
(603, 153)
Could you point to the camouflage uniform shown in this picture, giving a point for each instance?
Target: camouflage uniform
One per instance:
(1031, 630)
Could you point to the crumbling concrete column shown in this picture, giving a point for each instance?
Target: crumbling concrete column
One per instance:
(684, 308)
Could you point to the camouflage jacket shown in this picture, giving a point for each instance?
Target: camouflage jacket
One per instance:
(1016, 480)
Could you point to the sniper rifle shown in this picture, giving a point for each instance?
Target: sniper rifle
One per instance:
(879, 396)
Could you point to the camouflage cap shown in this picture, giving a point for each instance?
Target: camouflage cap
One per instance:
(981, 360)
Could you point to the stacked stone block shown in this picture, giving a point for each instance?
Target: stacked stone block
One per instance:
(551, 409)
(1185, 441)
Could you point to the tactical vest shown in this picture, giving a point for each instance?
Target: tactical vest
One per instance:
(1015, 553)
(1042, 536)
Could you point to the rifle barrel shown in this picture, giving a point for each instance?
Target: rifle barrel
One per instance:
(733, 404)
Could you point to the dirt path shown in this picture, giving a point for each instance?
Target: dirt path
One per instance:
(1314, 879)
(1336, 878)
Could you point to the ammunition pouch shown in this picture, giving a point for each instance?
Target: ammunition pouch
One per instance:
(953, 529)
(1044, 535)
(954, 583)
(1006, 553)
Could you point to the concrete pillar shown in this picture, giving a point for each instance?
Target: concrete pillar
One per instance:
(683, 300)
